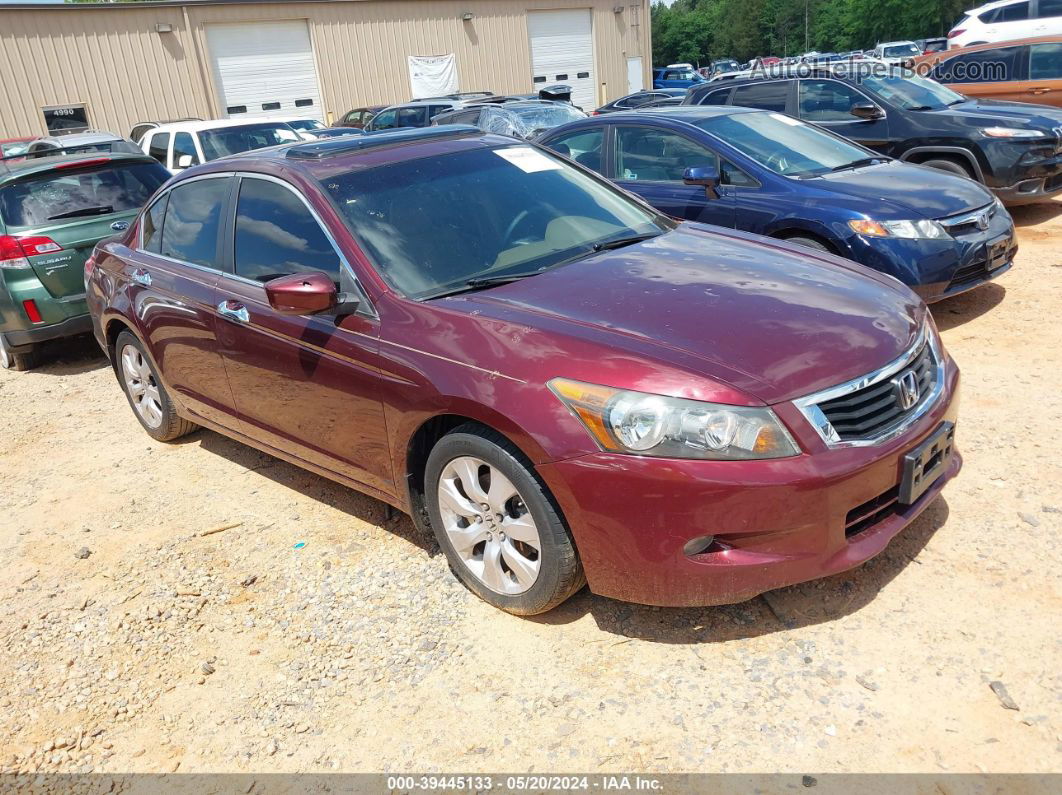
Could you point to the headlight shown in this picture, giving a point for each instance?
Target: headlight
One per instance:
(1012, 132)
(622, 421)
(906, 229)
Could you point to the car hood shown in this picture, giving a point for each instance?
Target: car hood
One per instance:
(996, 113)
(917, 190)
(767, 318)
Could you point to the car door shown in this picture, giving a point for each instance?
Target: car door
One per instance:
(173, 276)
(993, 73)
(384, 120)
(184, 153)
(1045, 73)
(650, 161)
(1008, 22)
(828, 103)
(303, 384)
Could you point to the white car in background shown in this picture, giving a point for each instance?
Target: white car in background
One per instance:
(896, 53)
(187, 143)
(1006, 20)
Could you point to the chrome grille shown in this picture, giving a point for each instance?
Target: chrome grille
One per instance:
(882, 404)
(971, 222)
(866, 412)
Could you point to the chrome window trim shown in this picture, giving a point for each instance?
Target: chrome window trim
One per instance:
(809, 405)
(365, 306)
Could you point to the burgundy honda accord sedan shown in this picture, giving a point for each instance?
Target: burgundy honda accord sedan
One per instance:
(561, 384)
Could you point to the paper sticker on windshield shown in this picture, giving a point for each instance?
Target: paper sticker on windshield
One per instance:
(527, 159)
(787, 119)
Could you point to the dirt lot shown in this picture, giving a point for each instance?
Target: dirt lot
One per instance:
(163, 649)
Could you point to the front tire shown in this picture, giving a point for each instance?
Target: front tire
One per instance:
(948, 165)
(501, 532)
(147, 396)
(809, 242)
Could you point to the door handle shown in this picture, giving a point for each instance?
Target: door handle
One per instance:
(141, 276)
(120, 226)
(234, 310)
(1040, 90)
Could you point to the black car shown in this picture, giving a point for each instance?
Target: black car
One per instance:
(638, 99)
(1014, 149)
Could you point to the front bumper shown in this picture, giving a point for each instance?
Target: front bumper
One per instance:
(938, 269)
(1032, 190)
(782, 521)
(1036, 173)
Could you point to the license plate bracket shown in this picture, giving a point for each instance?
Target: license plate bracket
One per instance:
(998, 253)
(927, 462)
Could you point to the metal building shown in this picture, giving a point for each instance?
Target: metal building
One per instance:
(108, 66)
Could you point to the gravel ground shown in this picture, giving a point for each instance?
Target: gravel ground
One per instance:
(319, 633)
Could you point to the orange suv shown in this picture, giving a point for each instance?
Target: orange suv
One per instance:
(1023, 70)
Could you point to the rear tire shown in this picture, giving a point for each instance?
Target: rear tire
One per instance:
(951, 166)
(502, 534)
(809, 242)
(144, 389)
(19, 362)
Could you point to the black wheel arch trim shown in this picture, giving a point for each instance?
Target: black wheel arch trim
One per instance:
(954, 151)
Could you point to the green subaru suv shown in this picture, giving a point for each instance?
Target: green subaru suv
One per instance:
(53, 211)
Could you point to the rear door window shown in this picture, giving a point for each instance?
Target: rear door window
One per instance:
(277, 235)
(384, 120)
(71, 194)
(716, 97)
(159, 146)
(768, 95)
(584, 147)
(1016, 12)
(1045, 61)
(190, 231)
(1049, 8)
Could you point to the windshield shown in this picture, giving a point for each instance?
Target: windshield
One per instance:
(901, 50)
(527, 120)
(54, 195)
(911, 92)
(233, 140)
(432, 224)
(783, 144)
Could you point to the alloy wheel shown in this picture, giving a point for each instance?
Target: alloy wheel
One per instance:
(489, 525)
(142, 387)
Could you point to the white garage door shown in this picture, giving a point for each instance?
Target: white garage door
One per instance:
(562, 51)
(265, 69)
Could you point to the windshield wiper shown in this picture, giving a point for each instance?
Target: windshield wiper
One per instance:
(866, 161)
(481, 283)
(620, 242)
(82, 211)
(923, 107)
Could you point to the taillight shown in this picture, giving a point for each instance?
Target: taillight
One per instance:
(594, 113)
(32, 312)
(90, 265)
(36, 245)
(957, 32)
(96, 161)
(11, 253)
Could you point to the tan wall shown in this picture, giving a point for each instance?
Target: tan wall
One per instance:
(112, 58)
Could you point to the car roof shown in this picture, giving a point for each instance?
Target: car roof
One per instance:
(344, 154)
(20, 167)
(943, 55)
(684, 113)
(990, 6)
(211, 124)
(895, 43)
(80, 139)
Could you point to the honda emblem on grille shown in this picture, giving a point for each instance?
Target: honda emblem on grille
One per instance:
(982, 221)
(906, 386)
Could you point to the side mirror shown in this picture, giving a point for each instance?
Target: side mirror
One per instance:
(302, 294)
(708, 176)
(867, 112)
(184, 161)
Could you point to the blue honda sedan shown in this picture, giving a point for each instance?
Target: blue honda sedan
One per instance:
(763, 172)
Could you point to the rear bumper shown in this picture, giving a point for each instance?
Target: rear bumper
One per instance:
(71, 327)
(780, 522)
